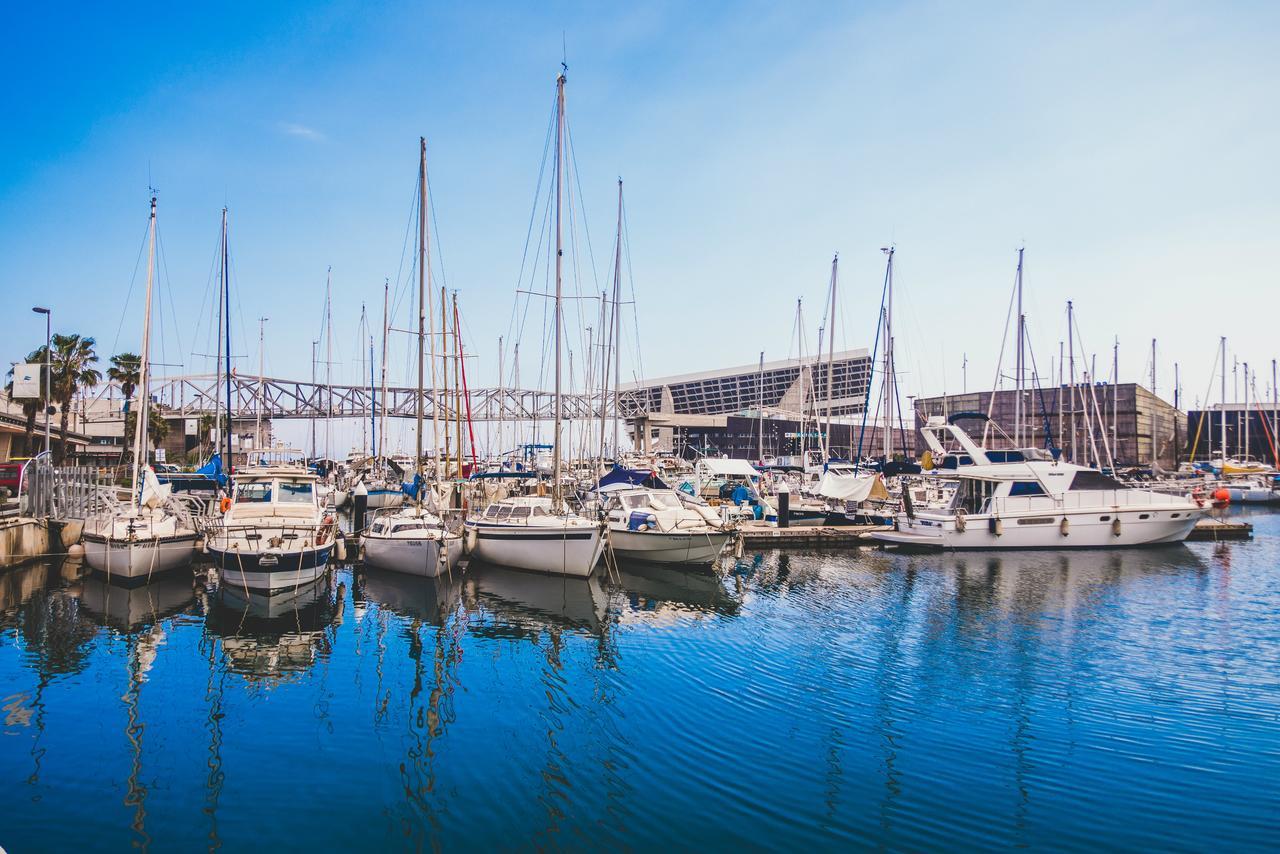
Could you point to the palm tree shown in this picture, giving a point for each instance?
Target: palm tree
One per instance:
(126, 371)
(31, 406)
(73, 371)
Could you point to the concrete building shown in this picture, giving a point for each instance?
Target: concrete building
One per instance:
(672, 414)
(1133, 423)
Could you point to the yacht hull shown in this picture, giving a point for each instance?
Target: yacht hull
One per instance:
(420, 557)
(1092, 530)
(693, 548)
(136, 560)
(382, 498)
(571, 551)
(270, 571)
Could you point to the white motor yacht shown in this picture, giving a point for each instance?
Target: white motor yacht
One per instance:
(276, 534)
(1030, 500)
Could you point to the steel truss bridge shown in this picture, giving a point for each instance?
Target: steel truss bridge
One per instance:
(201, 394)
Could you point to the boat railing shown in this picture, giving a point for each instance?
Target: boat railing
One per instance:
(272, 534)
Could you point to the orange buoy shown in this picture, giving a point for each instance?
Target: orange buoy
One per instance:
(1222, 496)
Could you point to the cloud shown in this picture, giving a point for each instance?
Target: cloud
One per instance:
(294, 129)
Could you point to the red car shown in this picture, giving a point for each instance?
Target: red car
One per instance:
(10, 473)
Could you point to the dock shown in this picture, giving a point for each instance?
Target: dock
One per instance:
(761, 535)
(1217, 530)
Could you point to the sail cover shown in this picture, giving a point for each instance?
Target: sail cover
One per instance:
(632, 477)
(852, 487)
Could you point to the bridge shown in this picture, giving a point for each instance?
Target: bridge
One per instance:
(194, 395)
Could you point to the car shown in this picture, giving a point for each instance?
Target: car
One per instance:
(10, 474)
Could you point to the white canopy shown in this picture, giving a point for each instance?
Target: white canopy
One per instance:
(852, 487)
(727, 468)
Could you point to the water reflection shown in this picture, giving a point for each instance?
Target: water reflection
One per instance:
(272, 637)
(656, 594)
(527, 603)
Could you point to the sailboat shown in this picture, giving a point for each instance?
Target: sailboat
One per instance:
(535, 532)
(414, 539)
(154, 533)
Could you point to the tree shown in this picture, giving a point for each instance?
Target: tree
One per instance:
(31, 406)
(73, 371)
(126, 371)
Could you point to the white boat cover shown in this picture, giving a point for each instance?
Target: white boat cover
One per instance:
(852, 487)
(154, 492)
(726, 468)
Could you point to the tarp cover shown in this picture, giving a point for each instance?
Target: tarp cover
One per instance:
(633, 477)
(852, 487)
(726, 468)
(213, 469)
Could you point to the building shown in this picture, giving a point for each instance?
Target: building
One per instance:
(1129, 423)
(692, 411)
(1251, 432)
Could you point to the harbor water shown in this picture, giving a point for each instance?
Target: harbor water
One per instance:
(823, 700)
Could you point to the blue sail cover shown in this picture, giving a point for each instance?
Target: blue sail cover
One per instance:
(213, 470)
(411, 488)
(633, 477)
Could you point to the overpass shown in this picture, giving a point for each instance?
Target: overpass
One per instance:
(200, 394)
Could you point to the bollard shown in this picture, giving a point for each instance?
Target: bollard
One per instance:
(784, 509)
(360, 507)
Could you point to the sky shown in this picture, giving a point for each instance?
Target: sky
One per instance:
(1130, 148)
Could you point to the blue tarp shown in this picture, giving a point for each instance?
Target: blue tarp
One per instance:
(634, 477)
(213, 470)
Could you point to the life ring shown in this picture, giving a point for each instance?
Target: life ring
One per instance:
(322, 535)
(225, 504)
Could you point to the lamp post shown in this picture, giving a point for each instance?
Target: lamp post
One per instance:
(48, 370)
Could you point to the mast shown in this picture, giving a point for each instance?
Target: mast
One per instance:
(1224, 400)
(314, 356)
(888, 356)
(444, 376)
(364, 326)
(144, 411)
(226, 329)
(556, 498)
(422, 313)
(382, 421)
(760, 404)
(217, 384)
(1248, 449)
(1018, 365)
(502, 394)
(328, 363)
(613, 348)
(1071, 373)
(371, 447)
(262, 397)
(831, 357)
(1275, 396)
(458, 398)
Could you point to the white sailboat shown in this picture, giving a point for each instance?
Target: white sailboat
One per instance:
(153, 533)
(413, 539)
(537, 533)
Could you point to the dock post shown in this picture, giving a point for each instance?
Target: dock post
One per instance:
(360, 502)
(784, 509)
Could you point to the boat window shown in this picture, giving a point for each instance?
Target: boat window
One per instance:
(491, 511)
(540, 511)
(407, 526)
(379, 527)
(1025, 487)
(258, 493)
(1005, 456)
(519, 512)
(1104, 518)
(972, 495)
(1088, 480)
(1144, 515)
(295, 493)
(503, 512)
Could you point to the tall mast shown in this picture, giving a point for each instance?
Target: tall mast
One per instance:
(831, 357)
(1248, 449)
(502, 394)
(1019, 415)
(217, 384)
(459, 400)
(262, 397)
(444, 377)
(144, 410)
(1071, 373)
(226, 328)
(364, 327)
(382, 421)
(760, 404)
(556, 498)
(422, 310)
(1275, 396)
(328, 362)
(614, 348)
(314, 356)
(1224, 399)
(888, 356)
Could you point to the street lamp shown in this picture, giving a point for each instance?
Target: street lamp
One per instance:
(48, 369)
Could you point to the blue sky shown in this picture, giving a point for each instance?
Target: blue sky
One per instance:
(1130, 147)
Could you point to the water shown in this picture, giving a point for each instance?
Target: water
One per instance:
(824, 700)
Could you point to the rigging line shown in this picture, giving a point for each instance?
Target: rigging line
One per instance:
(1035, 381)
(996, 384)
(871, 368)
(437, 245)
(533, 212)
(173, 316)
(132, 281)
(397, 295)
(204, 302)
(635, 305)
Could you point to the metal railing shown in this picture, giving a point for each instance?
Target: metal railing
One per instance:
(49, 492)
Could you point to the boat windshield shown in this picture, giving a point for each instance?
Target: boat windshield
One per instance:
(295, 493)
(257, 493)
